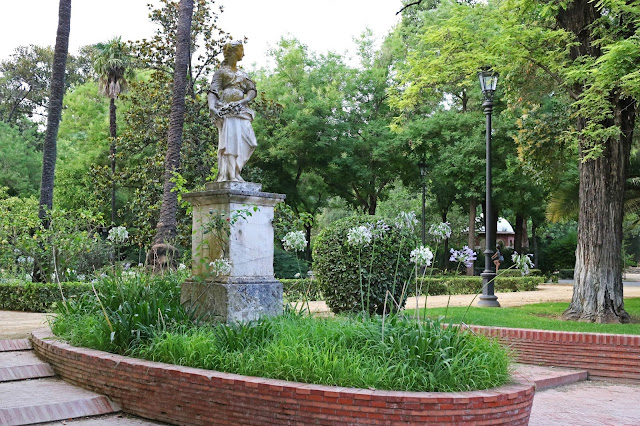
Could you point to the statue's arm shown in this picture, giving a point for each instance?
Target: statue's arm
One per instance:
(213, 96)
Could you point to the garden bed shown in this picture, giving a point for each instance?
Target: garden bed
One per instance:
(185, 395)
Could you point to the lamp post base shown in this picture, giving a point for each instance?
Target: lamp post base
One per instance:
(488, 299)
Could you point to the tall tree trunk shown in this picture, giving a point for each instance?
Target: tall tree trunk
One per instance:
(55, 110)
(471, 241)
(49, 153)
(112, 155)
(534, 236)
(597, 291)
(517, 240)
(166, 228)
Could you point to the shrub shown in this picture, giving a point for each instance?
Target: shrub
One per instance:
(518, 273)
(565, 274)
(286, 266)
(26, 296)
(72, 241)
(473, 285)
(342, 270)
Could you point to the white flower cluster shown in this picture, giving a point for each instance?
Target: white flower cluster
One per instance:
(379, 229)
(118, 234)
(294, 241)
(406, 220)
(441, 231)
(359, 236)
(466, 256)
(522, 262)
(421, 256)
(220, 267)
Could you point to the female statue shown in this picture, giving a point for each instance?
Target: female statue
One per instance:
(230, 92)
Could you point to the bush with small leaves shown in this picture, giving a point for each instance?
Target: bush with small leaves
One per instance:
(346, 260)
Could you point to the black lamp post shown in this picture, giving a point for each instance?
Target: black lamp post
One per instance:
(422, 164)
(488, 82)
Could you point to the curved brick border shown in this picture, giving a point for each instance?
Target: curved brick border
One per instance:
(193, 396)
(604, 356)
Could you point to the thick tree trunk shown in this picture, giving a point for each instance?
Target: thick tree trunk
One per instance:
(471, 241)
(166, 229)
(445, 249)
(112, 155)
(49, 153)
(597, 292)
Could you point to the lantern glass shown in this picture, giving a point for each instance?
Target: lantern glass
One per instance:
(488, 81)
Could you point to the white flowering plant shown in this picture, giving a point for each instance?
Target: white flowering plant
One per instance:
(421, 256)
(441, 231)
(359, 236)
(406, 220)
(220, 266)
(294, 241)
(464, 256)
(522, 262)
(118, 235)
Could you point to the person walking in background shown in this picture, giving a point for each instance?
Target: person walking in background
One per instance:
(498, 258)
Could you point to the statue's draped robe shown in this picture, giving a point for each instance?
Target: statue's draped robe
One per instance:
(237, 140)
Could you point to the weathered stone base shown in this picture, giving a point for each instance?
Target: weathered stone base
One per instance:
(233, 300)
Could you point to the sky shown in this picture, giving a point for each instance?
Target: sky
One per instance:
(323, 25)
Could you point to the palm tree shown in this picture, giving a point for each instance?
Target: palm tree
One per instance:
(113, 64)
(49, 150)
(166, 228)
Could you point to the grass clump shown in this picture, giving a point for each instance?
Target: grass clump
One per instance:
(541, 316)
(342, 351)
(126, 309)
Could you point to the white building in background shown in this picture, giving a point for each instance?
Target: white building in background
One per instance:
(505, 236)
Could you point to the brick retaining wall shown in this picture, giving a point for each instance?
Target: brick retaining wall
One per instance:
(604, 356)
(184, 395)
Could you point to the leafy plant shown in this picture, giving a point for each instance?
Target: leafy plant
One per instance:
(384, 265)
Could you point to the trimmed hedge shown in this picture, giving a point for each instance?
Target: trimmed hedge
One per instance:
(42, 297)
(456, 284)
(473, 285)
(38, 297)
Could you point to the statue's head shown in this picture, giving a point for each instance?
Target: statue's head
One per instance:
(233, 49)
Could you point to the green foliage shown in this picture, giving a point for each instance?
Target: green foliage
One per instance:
(287, 264)
(396, 355)
(302, 289)
(141, 147)
(25, 83)
(128, 309)
(383, 266)
(472, 285)
(559, 253)
(565, 274)
(70, 248)
(20, 164)
(16, 295)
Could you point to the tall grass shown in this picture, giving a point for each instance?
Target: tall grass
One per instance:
(342, 351)
(126, 309)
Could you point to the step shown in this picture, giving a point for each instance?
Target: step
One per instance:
(546, 377)
(47, 400)
(15, 345)
(108, 420)
(21, 365)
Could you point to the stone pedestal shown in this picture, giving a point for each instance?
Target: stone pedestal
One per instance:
(233, 220)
